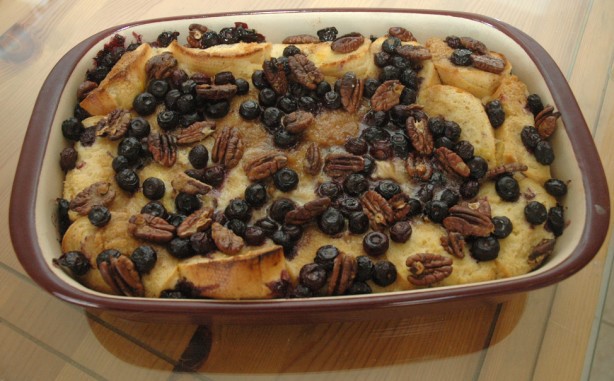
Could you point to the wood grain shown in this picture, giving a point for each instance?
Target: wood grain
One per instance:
(547, 331)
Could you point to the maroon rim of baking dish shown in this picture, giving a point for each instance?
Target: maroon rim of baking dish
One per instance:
(24, 192)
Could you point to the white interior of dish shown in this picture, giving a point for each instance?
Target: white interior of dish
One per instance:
(276, 26)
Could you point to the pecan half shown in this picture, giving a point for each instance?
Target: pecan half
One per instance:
(161, 66)
(451, 162)
(418, 167)
(399, 203)
(226, 241)
(196, 222)
(305, 72)
(377, 209)
(468, 222)
(341, 164)
(100, 193)
(212, 92)
(228, 147)
(381, 149)
(454, 243)
(301, 39)
(474, 45)
(163, 148)
(276, 75)
(387, 95)
(545, 121)
(488, 63)
(312, 164)
(186, 184)
(351, 91)
(419, 135)
(427, 268)
(84, 89)
(505, 168)
(344, 271)
(347, 43)
(414, 52)
(195, 35)
(121, 275)
(150, 228)
(401, 33)
(115, 125)
(308, 211)
(264, 164)
(194, 133)
(298, 121)
(540, 252)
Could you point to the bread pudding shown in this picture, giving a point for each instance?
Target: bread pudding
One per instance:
(230, 167)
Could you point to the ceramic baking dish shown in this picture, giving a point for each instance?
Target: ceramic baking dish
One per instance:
(38, 180)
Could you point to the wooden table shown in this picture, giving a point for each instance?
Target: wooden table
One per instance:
(544, 335)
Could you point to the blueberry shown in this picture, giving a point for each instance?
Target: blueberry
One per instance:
(180, 248)
(254, 236)
(106, 255)
(72, 129)
(477, 167)
(99, 215)
(287, 104)
(249, 110)
(259, 80)
(285, 179)
(153, 188)
(534, 104)
(503, 226)
(188, 86)
(327, 34)
(139, 128)
(364, 270)
(358, 288)
(400, 231)
(218, 109)
(130, 148)
(284, 139)
(329, 189)
(170, 99)
(198, 156)
(144, 259)
(544, 153)
(355, 184)
(444, 141)
(144, 104)
(128, 180)
(119, 163)
(268, 226)
(371, 84)
(238, 209)
(450, 197)
(349, 205)
(312, 276)
(485, 248)
(167, 120)
(308, 104)
(377, 118)
(437, 126)
(75, 261)
(469, 189)
(271, 117)
(358, 223)
(325, 255)
(256, 195)
(375, 243)
(409, 78)
(279, 208)
(331, 222)
(556, 220)
(451, 130)
(556, 187)
(384, 273)
(291, 50)
(80, 113)
(535, 212)
(461, 57)
(381, 59)
(507, 188)
(408, 96)
(373, 134)
(155, 208)
(209, 39)
(300, 291)
(202, 243)
(322, 88)
(214, 175)
(158, 88)
(436, 210)
(224, 78)
(370, 165)
(186, 104)
(530, 137)
(295, 232)
(332, 100)
(464, 149)
(415, 207)
(400, 62)
(282, 239)
(389, 73)
(267, 97)
(187, 203)
(387, 189)
(390, 44)
(356, 146)
(175, 219)
(495, 113)
(242, 86)
(237, 226)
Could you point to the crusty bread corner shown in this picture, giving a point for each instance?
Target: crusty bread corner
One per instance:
(242, 58)
(478, 82)
(460, 106)
(253, 275)
(124, 82)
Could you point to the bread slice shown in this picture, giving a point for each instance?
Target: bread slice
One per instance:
(252, 275)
